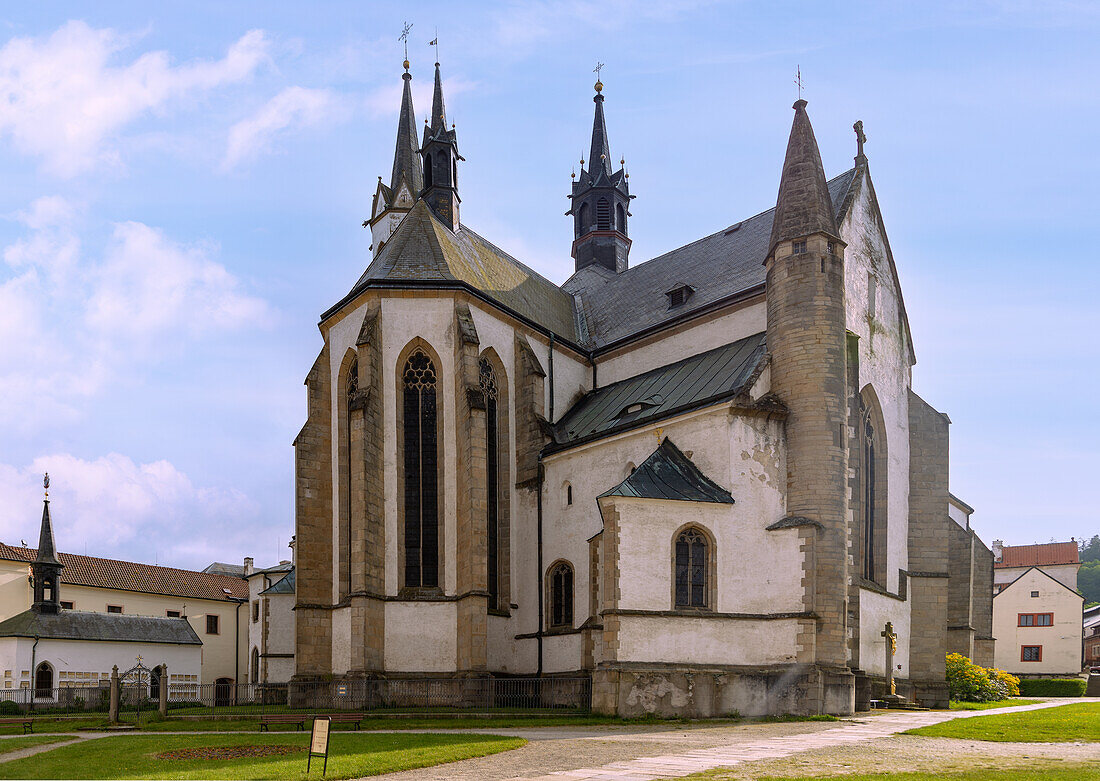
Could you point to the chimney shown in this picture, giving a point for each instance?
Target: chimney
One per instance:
(997, 546)
(248, 562)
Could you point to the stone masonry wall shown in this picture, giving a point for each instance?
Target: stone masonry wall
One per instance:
(313, 526)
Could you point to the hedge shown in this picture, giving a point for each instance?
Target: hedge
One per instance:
(1052, 687)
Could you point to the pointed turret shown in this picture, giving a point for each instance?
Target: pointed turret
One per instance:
(803, 207)
(439, 152)
(392, 203)
(600, 203)
(46, 567)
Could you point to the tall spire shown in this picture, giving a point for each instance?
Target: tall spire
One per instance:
(406, 160)
(600, 154)
(803, 207)
(439, 110)
(46, 568)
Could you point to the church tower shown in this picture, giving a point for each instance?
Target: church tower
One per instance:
(600, 203)
(439, 153)
(806, 337)
(46, 568)
(392, 203)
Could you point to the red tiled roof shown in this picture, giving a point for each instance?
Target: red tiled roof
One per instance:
(1046, 554)
(131, 576)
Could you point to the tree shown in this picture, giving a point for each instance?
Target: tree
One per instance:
(1090, 551)
(1088, 581)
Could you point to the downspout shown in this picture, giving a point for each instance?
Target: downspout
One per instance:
(541, 587)
(34, 672)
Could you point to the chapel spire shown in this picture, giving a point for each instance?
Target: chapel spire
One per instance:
(803, 207)
(406, 160)
(600, 202)
(46, 568)
(439, 152)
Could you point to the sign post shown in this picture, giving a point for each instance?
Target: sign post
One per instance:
(318, 742)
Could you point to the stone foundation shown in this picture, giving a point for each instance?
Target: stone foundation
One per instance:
(715, 692)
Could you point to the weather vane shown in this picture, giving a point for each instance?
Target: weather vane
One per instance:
(435, 42)
(798, 80)
(597, 69)
(46, 484)
(404, 37)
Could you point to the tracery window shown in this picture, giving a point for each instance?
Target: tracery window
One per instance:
(561, 595)
(487, 380)
(691, 557)
(868, 495)
(428, 172)
(620, 218)
(351, 387)
(421, 478)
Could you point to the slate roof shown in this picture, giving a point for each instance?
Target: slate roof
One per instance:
(79, 625)
(669, 474)
(47, 550)
(285, 584)
(221, 568)
(614, 306)
(132, 576)
(1046, 554)
(423, 251)
(694, 382)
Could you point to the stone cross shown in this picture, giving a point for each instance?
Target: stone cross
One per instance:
(861, 137)
(891, 649)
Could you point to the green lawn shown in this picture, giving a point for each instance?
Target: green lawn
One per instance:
(350, 756)
(956, 705)
(1064, 724)
(1076, 772)
(7, 745)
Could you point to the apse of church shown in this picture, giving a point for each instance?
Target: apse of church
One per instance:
(702, 482)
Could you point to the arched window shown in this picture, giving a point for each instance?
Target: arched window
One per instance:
(568, 494)
(421, 479)
(691, 562)
(428, 171)
(561, 595)
(488, 382)
(584, 218)
(351, 387)
(255, 665)
(868, 496)
(603, 215)
(620, 218)
(43, 680)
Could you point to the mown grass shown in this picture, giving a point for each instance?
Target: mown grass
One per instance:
(1063, 724)
(956, 705)
(1076, 772)
(8, 745)
(350, 756)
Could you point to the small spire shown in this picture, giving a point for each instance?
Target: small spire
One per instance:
(803, 206)
(406, 160)
(47, 551)
(600, 152)
(439, 111)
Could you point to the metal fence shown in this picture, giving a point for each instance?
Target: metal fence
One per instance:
(389, 696)
(59, 700)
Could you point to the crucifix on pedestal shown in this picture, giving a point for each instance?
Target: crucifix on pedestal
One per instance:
(891, 649)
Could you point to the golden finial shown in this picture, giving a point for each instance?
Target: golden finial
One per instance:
(622, 161)
(46, 484)
(582, 159)
(573, 174)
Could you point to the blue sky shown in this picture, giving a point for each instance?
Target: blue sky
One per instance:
(184, 186)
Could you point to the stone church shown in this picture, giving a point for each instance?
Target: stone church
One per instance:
(704, 482)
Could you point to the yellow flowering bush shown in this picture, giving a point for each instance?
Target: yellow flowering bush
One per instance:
(968, 682)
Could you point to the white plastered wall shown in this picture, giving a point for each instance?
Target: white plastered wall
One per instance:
(1061, 642)
(421, 637)
(874, 611)
(1065, 574)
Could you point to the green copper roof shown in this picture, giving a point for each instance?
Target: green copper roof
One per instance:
(669, 474)
(285, 585)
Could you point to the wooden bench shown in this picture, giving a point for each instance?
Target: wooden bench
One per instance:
(267, 720)
(346, 718)
(26, 721)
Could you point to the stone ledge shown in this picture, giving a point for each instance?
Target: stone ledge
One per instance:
(794, 522)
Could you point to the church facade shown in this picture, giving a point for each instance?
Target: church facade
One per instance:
(704, 482)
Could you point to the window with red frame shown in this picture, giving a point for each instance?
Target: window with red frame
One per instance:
(1035, 619)
(1031, 653)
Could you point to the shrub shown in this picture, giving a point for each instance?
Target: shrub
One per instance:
(1052, 687)
(9, 708)
(967, 682)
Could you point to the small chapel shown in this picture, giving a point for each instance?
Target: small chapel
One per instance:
(702, 482)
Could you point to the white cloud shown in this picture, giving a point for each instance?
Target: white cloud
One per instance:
(112, 506)
(386, 101)
(148, 286)
(63, 101)
(69, 323)
(293, 108)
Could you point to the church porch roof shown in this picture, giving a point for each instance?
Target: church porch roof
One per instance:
(669, 474)
(80, 625)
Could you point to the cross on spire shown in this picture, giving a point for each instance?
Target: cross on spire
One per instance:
(404, 38)
(798, 80)
(597, 69)
(861, 138)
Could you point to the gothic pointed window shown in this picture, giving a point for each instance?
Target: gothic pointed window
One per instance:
(620, 218)
(43, 681)
(691, 559)
(869, 498)
(487, 380)
(561, 595)
(428, 171)
(603, 215)
(421, 533)
(351, 387)
(584, 219)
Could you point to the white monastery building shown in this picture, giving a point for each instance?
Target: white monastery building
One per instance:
(703, 482)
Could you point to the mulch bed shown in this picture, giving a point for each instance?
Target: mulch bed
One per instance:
(229, 752)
